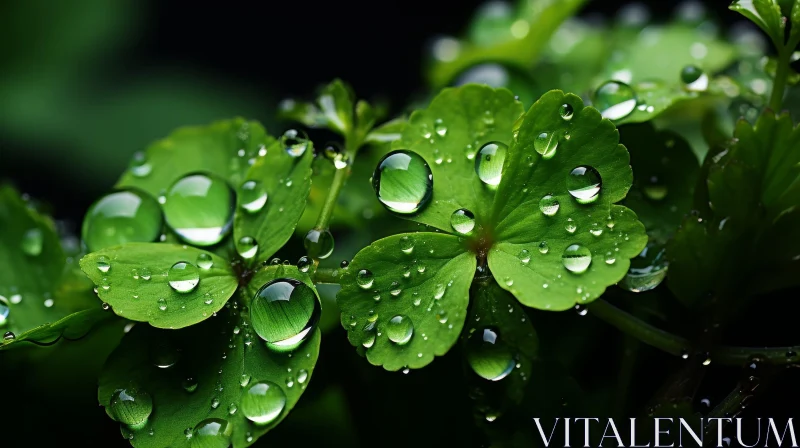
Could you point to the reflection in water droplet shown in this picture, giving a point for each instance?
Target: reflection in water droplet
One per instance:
(647, 270)
(576, 258)
(403, 182)
(247, 247)
(406, 245)
(694, 79)
(304, 264)
(488, 356)
(211, 433)
(183, 277)
(549, 205)
(399, 329)
(252, 196)
(462, 221)
(205, 261)
(263, 402)
(319, 244)
(199, 208)
(295, 142)
(584, 183)
(120, 217)
(284, 313)
(364, 278)
(566, 111)
(546, 144)
(489, 163)
(543, 247)
(130, 406)
(615, 100)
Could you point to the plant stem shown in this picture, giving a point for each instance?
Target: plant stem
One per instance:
(339, 178)
(327, 275)
(675, 345)
(781, 76)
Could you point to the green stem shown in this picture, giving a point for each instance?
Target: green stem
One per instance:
(676, 345)
(781, 76)
(339, 178)
(327, 275)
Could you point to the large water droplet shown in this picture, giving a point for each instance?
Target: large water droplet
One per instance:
(205, 261)
(32, 242)
(263, 402)
(319, 243)
(615, 100)
(549, 205)
(488, 356)
(584, 184)
(284, 313)
(252, 196)
(399, 329)
(5, 310)
(462, 221)
(647, 270)
(403, 182)
(124, 216)
(295, 142)
(211, 433)
(576, 258)
(247, 247)
(199, 208)
(183, 276)
(131, 406)
(489, 163)
(694, 79)
(365, 279)
(546, 144)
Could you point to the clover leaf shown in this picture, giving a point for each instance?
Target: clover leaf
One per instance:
(167, 285)
(404, 298)
(36, 282)
(714, 250)
(213, 384)
(542, 211)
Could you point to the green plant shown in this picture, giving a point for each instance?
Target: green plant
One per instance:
(577, 201)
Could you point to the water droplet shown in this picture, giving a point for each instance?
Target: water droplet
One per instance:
(365, 279)
(199, 208)
(139, 166)
(162, 304)
(647, 270)
(543, 247)
(399, 329)
(211, 433)
(566, 111)
(120, 217)
(247, 247)
(488, 356)
(164, 354)
(304, 264)
(655, 189)
(319, 243)
(32, 242)
(263, 402)
(596, 229)
(130, 406)
(334, 152)
(570, 226)
(189, 384)
(440, 128)
(403, 182)
(103, 264)
(546, 144)
(232, 408)
(284, 313)
(581, 310)
(295, 142)
(344, 264)
(302, 376)
(462, 221)
(205, 261)
(615, 100)
(549, 205)
(489, 163)
(183, 277)
(9, 336)
(524, 256)
(252, 196)
(694, 79)
(406, 245)
(576, 258)
(584, 184)
(5, 310)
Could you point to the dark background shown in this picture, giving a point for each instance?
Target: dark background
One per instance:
(245, 57)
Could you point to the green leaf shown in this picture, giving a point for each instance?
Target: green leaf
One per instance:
(753, 194)
(135, 279)
(223, 148)
(516, 347)
(665, 172)
(387, 132)
(222, 359)
(528, 35)
(612, 234)
(34, 283)
(409, 287)
(286, 180)
(71, 327)
(655, 98)
(333, 110)
(448, 134)
(766, 14)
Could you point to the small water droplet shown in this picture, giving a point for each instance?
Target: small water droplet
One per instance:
(319, 244)
(365, 279)
(543, 247)
(403, 182)
(189, 384)
(183, 277)
(615, 100)
(295, 142)
(130, 406)
(162, 304)
(252, 196)
(489, 163)
(524, 256)
(549, 205)
(584, 183)
(139, 166)
(655, 189)
(205, 261)
(694, 79)
(247, 247)
(9, 336)
(546, 144)
(462, 221)
(211, 433)
(566, 111)
(406, 244)
(103, 264)
(488, 356)
(263, 402)
(570, 226)
(399, 329)
(576, 258)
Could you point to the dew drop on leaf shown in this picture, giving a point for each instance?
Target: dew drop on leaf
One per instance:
(211, 433)
(488, 356)
(183, 277)
(399, 329)
(263, 402)
(365, 279)
(570, 227)
(319, 244)
(647, 270)
(284, 313)
(584, 183)
(462, 221)
(546, 144)
(304, 264)
(489, 163)
(252, 196)
(549, 205)
(406, 245)
(295, 142)
(131, 406)
(199, 208)
(32, 242)
(615, 100)
(103, 264)
(5, 310)
(576, 258)
(524, 256)
(566, 111)
(9, 336)
(335, 153)
(247, 247)
(544, 248)
(124, 216)
(204, 261)
(139, 166)
(244, 380)
(189, 384)
(162, 304)
(403, 182)
(302, 376)
(694, 79)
